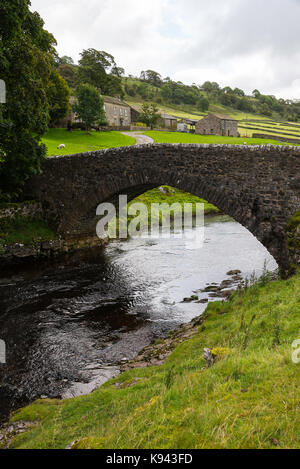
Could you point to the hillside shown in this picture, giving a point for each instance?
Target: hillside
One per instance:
(249, 122)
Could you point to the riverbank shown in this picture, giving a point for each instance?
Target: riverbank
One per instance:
(25, 235)
(249, 397)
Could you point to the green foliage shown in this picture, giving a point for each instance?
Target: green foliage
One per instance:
(203, 104)
(149, 115)
(59, 96)
(89, 105)
(24, 230)
(292, 230)
(28, 70)
(152, 77)
(68, 73)
(99, 69)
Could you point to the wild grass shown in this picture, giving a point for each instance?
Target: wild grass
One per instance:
(79, 141)
(24, 231)
(250, 397)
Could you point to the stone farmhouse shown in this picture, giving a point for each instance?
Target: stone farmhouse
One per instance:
(217, 124)
(118, 113)
(167, 121)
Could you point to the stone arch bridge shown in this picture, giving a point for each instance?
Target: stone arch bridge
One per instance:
(258, 186)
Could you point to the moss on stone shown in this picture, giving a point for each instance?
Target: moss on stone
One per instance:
(292, 229)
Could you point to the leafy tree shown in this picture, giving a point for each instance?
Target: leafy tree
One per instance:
(203, 104)
(118, 71)
(143, 90)
(89, 105)
(152, 77)
(27, 66)
(265, 110)
(98, 68)
(65, 60)
(227, 89)
(256, 94)
(68, 73)
(59, 96)
(149, 115)
(238, 92)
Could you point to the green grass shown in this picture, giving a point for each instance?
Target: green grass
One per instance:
(24, 231)
(177, 137)
(170, 197)
(173, 196)
(79, 141)
(250, 398)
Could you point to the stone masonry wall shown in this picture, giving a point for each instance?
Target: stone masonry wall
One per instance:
(25, 210)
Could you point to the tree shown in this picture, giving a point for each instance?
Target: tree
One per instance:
(66, 60)
(98, 68)
(256, 94)
(152, 77)
(238, 92)
(149, 115)
(89, 105)
(27, 70)
(203, 104)
(59, 96)
(68, 73)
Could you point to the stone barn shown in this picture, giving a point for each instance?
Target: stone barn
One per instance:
(118, 113)
(217, 124)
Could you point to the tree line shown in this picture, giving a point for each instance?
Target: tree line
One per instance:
(152, 87)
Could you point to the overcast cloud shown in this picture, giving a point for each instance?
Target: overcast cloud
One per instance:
(245, 43)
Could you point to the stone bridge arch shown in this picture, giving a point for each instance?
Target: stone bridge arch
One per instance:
(258, 186)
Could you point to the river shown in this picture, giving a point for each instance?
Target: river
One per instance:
(95, 308)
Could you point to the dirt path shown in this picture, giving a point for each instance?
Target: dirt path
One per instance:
(140, 138)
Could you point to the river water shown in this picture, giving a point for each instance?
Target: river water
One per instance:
(98, 307)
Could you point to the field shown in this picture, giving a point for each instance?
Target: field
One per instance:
(249, 398)
(79, 141)
(178, 137)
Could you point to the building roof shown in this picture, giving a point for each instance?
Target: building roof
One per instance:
(188, 121)
(223, 117)
(116, 101)
(168, 116)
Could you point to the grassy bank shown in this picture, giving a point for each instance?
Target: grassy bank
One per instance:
(168, 196)
(250, 397)
(79, 141)
(24, 231)
(171, 196)
(178, 137)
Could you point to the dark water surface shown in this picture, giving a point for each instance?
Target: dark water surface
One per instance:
(100, 306)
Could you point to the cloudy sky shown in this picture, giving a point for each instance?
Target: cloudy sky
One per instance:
(245, 43)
